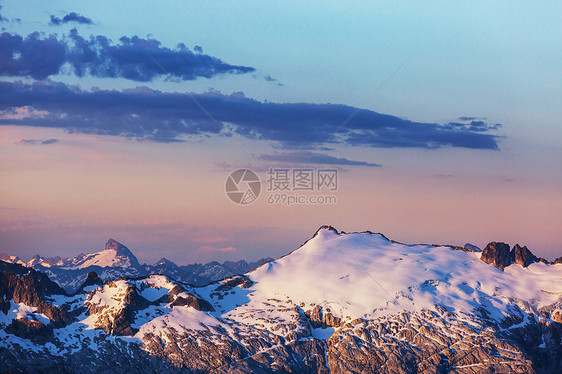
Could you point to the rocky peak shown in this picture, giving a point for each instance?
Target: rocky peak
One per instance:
(116, 246)
(11, 259)
(164, 262)
(497, 254)
(121, 251)
(16, 269)
(118, 319)
(32, 288)
(327, 227)
(92, 280)
(522, 256)
(34, 260)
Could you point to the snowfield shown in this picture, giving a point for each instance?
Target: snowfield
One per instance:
(364, 274)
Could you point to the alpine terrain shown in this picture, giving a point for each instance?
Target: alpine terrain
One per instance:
(341, 303)
(116, 260)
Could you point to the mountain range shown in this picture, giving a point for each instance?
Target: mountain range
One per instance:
(340, 303)
(116, 260)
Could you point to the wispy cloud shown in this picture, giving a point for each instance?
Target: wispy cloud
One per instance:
(468, 118)
(208, 248)
(312, 158)
(38, 141)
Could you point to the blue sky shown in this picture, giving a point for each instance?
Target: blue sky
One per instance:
(496, 61)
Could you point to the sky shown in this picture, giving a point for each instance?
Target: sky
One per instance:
(124, 120)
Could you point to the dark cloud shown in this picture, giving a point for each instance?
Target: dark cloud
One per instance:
(312, 158)
(70, 17)
(132, 58)
(135, 58)
(269, 78)
(38, 141)
(146, 114)
(33, 56)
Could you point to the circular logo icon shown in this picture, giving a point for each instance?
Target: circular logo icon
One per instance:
(243, 186)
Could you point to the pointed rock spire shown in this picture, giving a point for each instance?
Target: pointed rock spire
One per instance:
(522, 256)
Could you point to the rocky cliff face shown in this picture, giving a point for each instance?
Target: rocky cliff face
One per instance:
(385, 308)
(522, 256)
(32, 289)
(497, 254)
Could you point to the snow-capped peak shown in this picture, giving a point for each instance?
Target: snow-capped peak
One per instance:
(362, 274)
(164, 262)
(115, 254)
(11, 259)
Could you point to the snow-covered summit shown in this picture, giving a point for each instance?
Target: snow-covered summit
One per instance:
(363, 274)
(114, 254)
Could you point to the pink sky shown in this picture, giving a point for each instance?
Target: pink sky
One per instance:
(168, 200)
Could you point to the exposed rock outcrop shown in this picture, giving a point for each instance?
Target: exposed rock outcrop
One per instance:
(241, 280)
(320, 318)
(193, 302)
(30, 287)
(36, 331)
(522, 256)
(92, 280)
(118, 320)
(497, 254)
